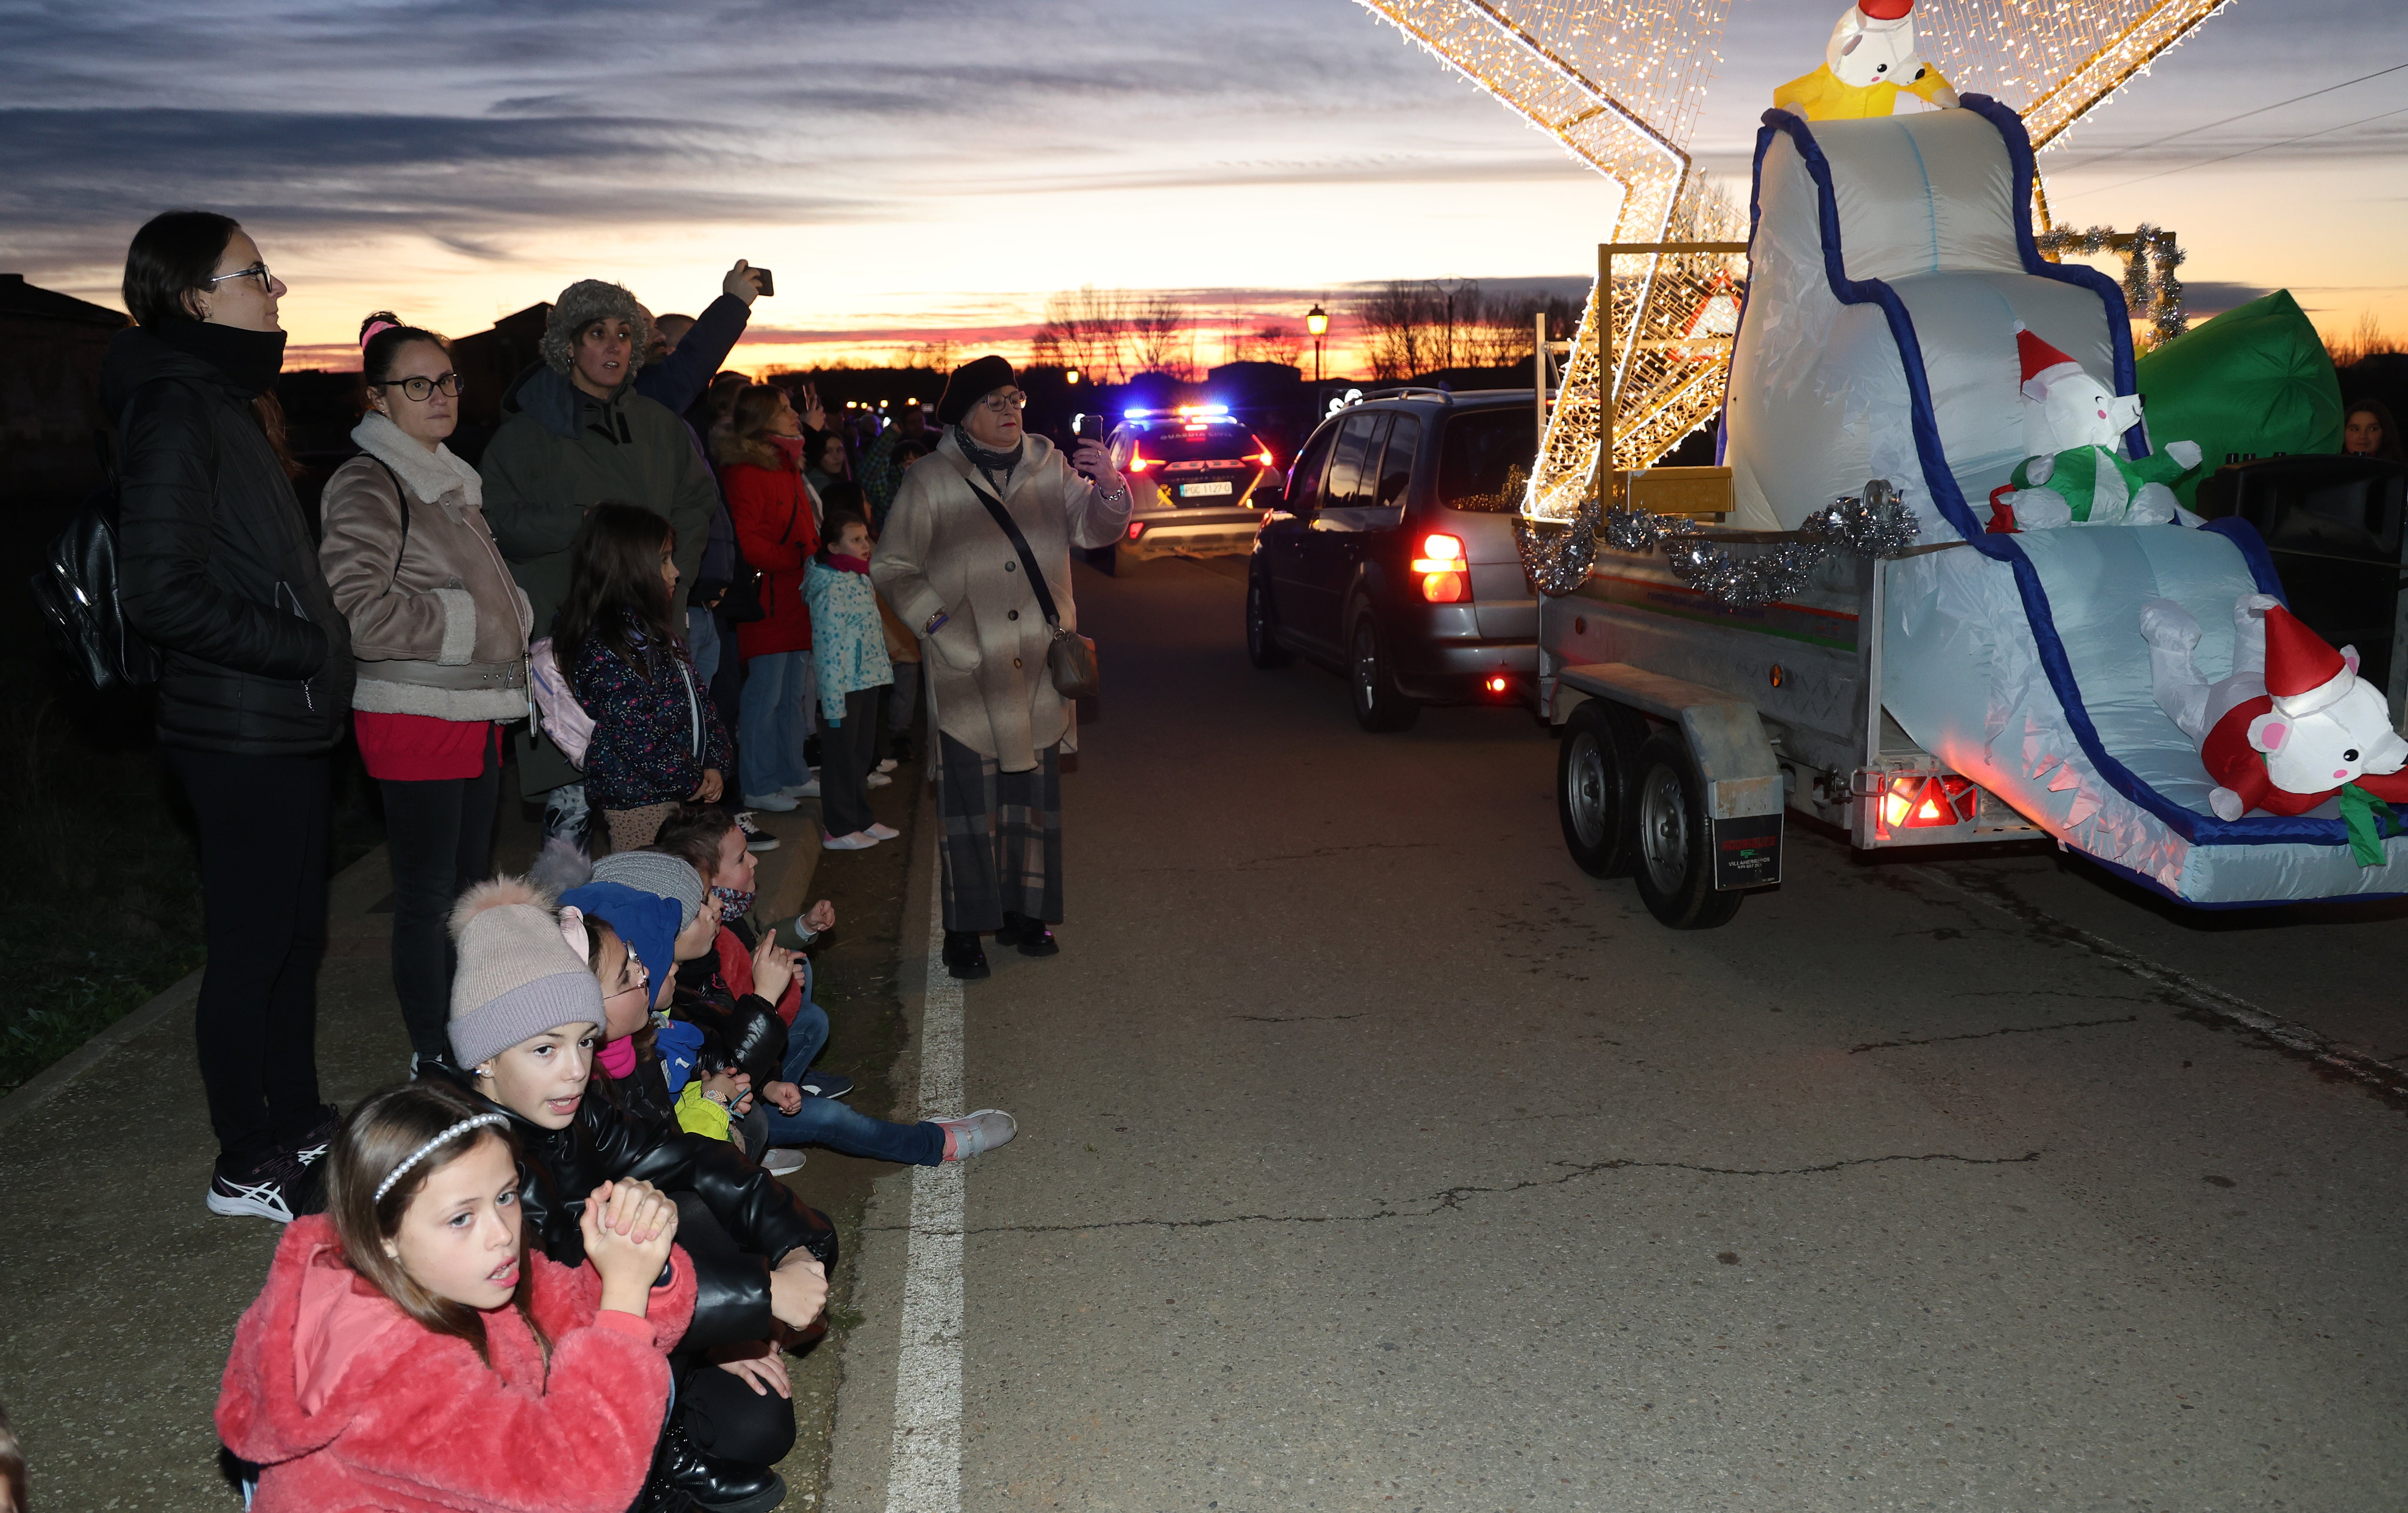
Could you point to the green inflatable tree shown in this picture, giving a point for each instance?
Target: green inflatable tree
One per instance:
(2254, 381)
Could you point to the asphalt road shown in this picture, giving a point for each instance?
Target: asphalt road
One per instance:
(1373, 1156)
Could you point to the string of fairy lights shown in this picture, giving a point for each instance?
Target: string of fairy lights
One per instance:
(1619, 84)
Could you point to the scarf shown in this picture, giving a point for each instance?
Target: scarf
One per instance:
(734, 904)
(843, 563)
(2369, 819)
(991, 463)
(248, 361)
(618, 1057)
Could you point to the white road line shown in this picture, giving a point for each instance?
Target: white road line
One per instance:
(926, 1476)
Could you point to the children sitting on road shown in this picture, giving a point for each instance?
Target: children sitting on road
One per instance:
(411, 1349)
(526, 1013)
(714, 850)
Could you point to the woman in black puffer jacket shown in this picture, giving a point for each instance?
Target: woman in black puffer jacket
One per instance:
(220, 571)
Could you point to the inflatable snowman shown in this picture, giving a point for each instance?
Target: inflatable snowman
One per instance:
(2072, 472)
(1870, 57)
(2292, 727)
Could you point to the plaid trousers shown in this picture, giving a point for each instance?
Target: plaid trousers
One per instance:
(1003, 837)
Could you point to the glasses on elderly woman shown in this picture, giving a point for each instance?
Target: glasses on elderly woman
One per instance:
(418, 388)
(1004, 402)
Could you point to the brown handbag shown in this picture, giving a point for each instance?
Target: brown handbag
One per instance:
(1071, 657)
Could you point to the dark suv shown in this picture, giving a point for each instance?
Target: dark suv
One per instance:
(1391, 558)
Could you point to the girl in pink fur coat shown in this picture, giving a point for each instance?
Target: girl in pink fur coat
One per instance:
(410, 1353)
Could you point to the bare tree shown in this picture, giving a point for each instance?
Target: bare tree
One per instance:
(1156, 328)
(1087, 328)
(1398, 322)
(1272, 343)
(943, 354)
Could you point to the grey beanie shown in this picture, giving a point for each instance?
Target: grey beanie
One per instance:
(656, 872)
(518, 976)
(580, 305)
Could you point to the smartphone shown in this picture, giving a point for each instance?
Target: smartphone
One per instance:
(768, 281)
(1091, 428)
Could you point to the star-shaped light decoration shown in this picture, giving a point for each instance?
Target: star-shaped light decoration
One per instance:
(1618, 82)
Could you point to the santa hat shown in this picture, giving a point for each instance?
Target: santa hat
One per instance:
(2303, 672)
(2043, 365)
(1884, 9)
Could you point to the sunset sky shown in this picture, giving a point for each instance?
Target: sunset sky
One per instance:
(925, 169)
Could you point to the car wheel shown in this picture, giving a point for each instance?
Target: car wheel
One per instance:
(1371, 682)
(1593, 787)
(1676, 859)
(1263, 646)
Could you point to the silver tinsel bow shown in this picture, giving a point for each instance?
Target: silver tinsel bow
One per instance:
(1559, 560)
(1875, 525)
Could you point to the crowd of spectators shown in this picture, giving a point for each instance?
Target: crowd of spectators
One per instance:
(560, 1266)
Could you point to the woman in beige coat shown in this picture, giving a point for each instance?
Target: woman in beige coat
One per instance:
(439, 629)
(952, 576)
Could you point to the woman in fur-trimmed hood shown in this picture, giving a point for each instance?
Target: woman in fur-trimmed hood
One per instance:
(575, 432)
(439, 631)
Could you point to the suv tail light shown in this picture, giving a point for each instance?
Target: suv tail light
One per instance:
(1446, 576)
(1137, 461)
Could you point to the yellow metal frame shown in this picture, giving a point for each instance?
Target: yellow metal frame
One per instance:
(1608, 401)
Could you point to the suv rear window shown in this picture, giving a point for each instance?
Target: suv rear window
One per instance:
(1483, 461)
(1221, 444)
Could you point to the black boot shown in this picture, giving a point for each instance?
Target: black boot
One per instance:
(965, 958)
(716, 1485)
(1030, 935)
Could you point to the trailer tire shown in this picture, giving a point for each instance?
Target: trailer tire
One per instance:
(1674, 840)
(1593, 787)
(1263, 646)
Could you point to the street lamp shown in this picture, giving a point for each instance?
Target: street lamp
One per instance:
(1071, 377)
(1316, 321)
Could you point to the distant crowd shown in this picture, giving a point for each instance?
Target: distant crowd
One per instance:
(560, 1265)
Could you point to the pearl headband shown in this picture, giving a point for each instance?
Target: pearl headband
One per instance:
(475, 1121)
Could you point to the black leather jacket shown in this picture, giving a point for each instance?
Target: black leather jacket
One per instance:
(605, 1142)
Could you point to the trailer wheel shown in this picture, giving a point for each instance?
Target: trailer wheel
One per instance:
(1263, 646)
(1593, 789)
(1675, 869)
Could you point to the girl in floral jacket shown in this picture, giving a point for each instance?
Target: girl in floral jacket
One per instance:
(657, 735)
(849, 664)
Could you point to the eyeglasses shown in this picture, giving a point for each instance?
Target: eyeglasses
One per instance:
(1010, 401)
(418, 387)
(636, 969)
(257, 270)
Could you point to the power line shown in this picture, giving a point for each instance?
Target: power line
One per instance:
(2193, 131)
(2243, 154)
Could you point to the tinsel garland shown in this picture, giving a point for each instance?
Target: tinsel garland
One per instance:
(2150, 258)
(1873, 524)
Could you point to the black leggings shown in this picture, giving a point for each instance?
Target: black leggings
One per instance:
(847, 752)
(262, 822)
(722, 1413)
(441, 833)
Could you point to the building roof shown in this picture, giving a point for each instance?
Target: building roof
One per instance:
(18, 297)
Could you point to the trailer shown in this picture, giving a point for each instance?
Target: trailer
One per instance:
(1965, 688)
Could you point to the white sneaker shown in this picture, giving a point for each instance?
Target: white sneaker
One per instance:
(889, 764)
(876, 779)
(860, 840)
(976, 1134)
(780, 1159)
(881, 830)
(809, 789)
(774, 803)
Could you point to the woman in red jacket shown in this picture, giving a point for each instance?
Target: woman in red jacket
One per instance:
(409, 1352)
(777, 529)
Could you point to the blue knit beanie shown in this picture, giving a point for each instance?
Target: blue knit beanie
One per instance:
(646, 922)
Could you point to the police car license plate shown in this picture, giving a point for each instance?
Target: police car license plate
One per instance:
(1205, 491)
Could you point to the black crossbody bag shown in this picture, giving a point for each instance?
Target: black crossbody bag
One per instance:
(1071, 657)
